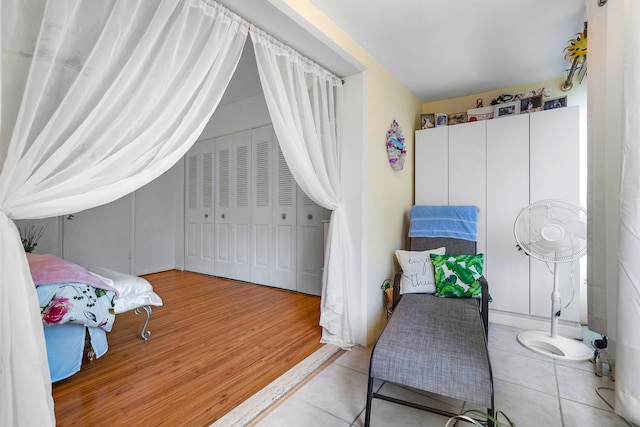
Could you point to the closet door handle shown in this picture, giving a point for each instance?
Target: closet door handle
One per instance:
(309, 217)
(206, 215)
(69, 217)
(283, 216)
(222, 216)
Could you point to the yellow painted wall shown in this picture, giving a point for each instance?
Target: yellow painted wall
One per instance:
(576, 96)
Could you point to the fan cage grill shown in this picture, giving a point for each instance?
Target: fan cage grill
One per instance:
(552, 231)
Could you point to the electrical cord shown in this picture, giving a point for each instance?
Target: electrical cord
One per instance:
(602, 397)
(453, 421)
(573, 284)
(608, 404)
(573, 287)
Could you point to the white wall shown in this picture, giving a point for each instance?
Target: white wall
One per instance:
(155, 220)
(237, 116)
(354, 198)
(50, 242)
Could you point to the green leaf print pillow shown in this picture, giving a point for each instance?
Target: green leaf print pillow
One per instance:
(458, 275)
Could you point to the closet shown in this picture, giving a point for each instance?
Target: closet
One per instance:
(245, 216)
(501, 166)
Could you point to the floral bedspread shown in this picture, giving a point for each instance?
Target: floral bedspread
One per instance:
(76, 303)
(68, 292)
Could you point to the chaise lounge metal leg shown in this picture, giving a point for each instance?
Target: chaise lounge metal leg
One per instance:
(367, 415)
(144, 334)
(491, 412)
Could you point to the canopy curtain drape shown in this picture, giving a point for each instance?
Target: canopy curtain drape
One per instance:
(117, 91)
(304, 102)
(628, 305)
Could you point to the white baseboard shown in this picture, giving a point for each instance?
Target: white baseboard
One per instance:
(521, 321)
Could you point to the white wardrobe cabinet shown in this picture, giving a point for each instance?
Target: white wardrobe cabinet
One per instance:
(501, 166)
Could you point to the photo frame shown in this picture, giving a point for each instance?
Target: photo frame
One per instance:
(531, 104)
(506, 109)
(551, 104)
(427, 121)
(441, 119)
(457, 118)
(476, 114)
(544, 91)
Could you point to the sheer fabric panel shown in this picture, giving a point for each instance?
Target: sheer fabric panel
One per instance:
(304, 102)
(628, 305)
(117, 91)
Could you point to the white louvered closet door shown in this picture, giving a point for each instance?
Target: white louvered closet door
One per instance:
(283, 248)
(310, 240)
(261, 205)
(233, 209)
(199, 213)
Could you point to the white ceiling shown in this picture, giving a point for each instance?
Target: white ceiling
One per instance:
(438, 49)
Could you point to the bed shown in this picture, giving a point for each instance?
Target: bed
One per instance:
(79, 307)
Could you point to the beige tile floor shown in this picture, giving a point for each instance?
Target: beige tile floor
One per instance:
(533, 390)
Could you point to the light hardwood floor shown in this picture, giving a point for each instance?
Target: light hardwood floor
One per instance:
(214, 343)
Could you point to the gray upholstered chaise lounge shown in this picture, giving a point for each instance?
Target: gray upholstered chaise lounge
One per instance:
(435, 344)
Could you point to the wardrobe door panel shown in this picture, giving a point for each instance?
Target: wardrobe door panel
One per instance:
(468, 172)
(432, 166)
(507, 194)
(555, 174)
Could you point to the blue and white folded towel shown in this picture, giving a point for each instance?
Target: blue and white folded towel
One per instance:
(459, 222)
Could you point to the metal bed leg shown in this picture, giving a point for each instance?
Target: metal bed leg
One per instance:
(144, 334)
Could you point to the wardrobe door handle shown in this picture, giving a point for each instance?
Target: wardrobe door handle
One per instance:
(283, 216)
(309, 217)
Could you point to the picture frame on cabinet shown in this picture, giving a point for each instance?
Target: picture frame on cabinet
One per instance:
(457, 118)
(441, 119)
(551, 104)
(427, 121)
(531, 104)
(506, 109)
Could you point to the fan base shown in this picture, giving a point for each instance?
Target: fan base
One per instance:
(560, 348)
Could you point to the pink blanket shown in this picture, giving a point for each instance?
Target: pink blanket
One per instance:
(49, 269)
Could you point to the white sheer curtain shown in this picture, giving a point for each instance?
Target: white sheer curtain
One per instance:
(304, 102)
(628, 305)
(117, 91)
